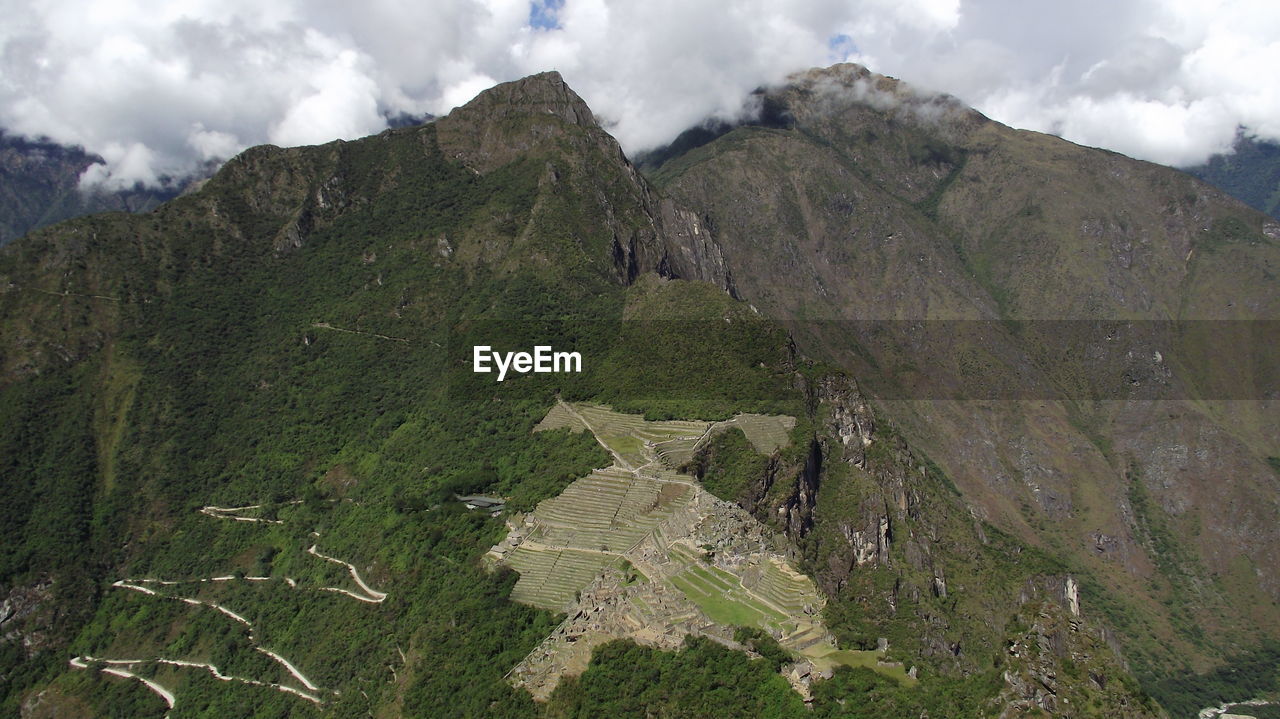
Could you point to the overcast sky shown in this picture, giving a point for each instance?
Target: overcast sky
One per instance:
(157, 87)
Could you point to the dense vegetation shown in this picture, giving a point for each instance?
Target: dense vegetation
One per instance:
(707, 681)
(702, 680)
(331, 373)
(1250, 675)
(297, 336)
(728, 465)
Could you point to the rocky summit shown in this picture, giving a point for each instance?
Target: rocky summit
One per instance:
(884, 409)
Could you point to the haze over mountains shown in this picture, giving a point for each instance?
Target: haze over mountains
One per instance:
(43, 182)
(40, 185)
(1250, 173)
(282, 341)
(39, 176)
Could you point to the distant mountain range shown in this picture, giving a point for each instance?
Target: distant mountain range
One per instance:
(39, 179)
(1251, 173)
(40, 185)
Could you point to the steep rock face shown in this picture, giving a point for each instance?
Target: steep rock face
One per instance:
(882, 216)
(516, 119)
(20, 620)
(851, 421)
(541, 114)
(1059, 663)
(892, 474)
(786, 492)
(912, 568)
(790, 493)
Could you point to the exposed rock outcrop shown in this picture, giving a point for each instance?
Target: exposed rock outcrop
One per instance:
(539, 113)
(21, 622)
(1060, 663)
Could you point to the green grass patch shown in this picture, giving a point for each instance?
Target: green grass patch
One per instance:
(868, 659)
(626, 445)
(720, 608)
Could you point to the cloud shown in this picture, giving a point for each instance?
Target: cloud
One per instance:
(134, 161)
(1163, 81)
(157, 88)
(337, 100)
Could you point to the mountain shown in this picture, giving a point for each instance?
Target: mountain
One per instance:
(917, 239)
(1251, 172)
(249, 469)
(39, 185)
(191, 393)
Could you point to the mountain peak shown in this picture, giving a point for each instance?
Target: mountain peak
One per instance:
(510, 119)
(829, 91)
(850, 76)
(546, 92)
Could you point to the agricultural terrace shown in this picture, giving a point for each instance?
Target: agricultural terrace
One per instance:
(641, 519)
(636, 442)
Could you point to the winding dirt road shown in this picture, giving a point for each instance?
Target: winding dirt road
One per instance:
(373, 596)
(288, 666)
(312, 691)
(113, 667)
(83, 663)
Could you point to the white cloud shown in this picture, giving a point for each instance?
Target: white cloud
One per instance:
(212, 144)
(337, 100)
(157, 87)
(1164, 81)
(126, 165)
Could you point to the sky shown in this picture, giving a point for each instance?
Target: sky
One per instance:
(157, 88)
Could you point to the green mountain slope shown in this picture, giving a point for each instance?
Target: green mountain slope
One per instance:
(281, 335)
(234, 429)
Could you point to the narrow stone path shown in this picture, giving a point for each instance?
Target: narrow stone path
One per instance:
(1225, 708)
(617, 458)
(228, 578)
(327, 326)
(65, 293)
(230, 513)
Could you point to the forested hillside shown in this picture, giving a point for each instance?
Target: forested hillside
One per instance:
(234, 432)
